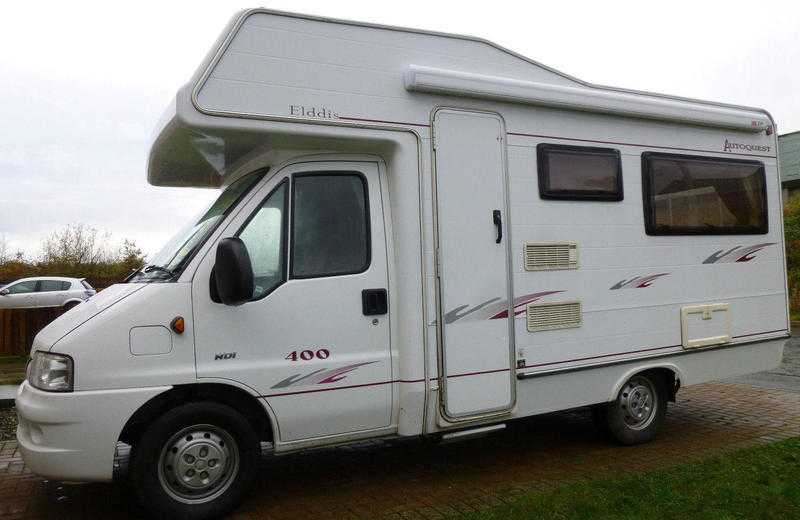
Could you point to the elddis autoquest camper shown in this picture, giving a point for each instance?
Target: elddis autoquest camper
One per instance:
(417, 234)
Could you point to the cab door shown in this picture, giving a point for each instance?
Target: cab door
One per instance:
(314, 339)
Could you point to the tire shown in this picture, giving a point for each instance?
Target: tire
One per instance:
(637, 413)
(196, 461)
(70, 306)
(600, 420)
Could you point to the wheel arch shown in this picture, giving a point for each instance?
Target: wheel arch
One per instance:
(237, 398)
(671, 373)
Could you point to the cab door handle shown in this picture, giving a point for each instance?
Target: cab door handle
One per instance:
(374, 302)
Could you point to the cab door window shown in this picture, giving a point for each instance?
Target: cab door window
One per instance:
(265, 238)
(330, 225)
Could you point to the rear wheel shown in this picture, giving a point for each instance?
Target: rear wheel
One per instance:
(196, 461)
(637, 413)
(69, 305)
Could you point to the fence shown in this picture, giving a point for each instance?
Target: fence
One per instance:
(19, 326)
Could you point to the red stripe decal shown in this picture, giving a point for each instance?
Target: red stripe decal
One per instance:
(598, 357)
(635, 144)
(381, 121)
(760, 333)
(637, 351)
(477, 373)
(466, 374)
(523, 134)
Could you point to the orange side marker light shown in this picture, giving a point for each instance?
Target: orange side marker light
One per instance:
(178, 324)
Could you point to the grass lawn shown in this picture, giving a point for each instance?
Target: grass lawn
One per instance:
(13, 360)
(755, 483)
(12, 369)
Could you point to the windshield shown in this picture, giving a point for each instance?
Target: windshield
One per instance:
(173, 257)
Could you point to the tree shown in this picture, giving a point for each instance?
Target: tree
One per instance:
(791, 222)
(82, 251)
(78, 251)
(3, 250)
(76, 244)
(130, 256)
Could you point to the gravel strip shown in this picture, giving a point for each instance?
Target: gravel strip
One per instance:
(8, 423)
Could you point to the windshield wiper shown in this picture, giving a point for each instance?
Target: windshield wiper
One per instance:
(147, 269)
(154, 267)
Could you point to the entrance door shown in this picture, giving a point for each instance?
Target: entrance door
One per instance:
(314, 339)
(476, 315)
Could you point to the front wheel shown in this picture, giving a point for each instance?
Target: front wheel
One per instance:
(637, 413)
(196, 461)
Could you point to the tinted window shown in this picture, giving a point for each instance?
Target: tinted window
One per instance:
(65, 286)
(330, 232)
(50, 286)
(703, 195)
(579, 173)
(23, 287)
(264, 237)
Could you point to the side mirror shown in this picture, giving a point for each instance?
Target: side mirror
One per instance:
(233, 272)
(4, 292)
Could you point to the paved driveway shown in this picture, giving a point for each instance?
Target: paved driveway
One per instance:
(785, 377)
(418, 480)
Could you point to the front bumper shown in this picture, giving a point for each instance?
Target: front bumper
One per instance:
(72, 436)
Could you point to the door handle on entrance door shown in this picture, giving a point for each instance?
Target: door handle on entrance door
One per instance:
(498, 221)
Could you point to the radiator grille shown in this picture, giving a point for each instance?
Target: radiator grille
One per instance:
(544, 256)
(551, 316)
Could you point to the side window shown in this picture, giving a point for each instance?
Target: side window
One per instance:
(265, 237)
(23, 287)
(65, 286)
(330, 225)
(579, 173)
(691, 195)
(49, 286)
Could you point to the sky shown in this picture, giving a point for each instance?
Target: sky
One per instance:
(83, 84)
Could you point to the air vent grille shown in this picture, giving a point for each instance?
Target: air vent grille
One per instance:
(552, 316)
(545, 256)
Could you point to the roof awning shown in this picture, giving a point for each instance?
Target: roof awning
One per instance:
(449, 82)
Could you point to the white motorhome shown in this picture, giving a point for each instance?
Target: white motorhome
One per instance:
(417, 234)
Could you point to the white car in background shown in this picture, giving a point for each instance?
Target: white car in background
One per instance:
(45, 291)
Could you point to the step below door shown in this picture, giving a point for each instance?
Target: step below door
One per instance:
(475, 323)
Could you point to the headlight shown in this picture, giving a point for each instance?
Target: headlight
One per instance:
(50, 372)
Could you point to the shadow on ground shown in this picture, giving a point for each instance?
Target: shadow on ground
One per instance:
(424, 480)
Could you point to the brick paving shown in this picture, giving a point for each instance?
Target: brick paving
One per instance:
(784, 377)
(419, 480)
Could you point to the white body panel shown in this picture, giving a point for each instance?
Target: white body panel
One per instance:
(289, 93)
(72, 436)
